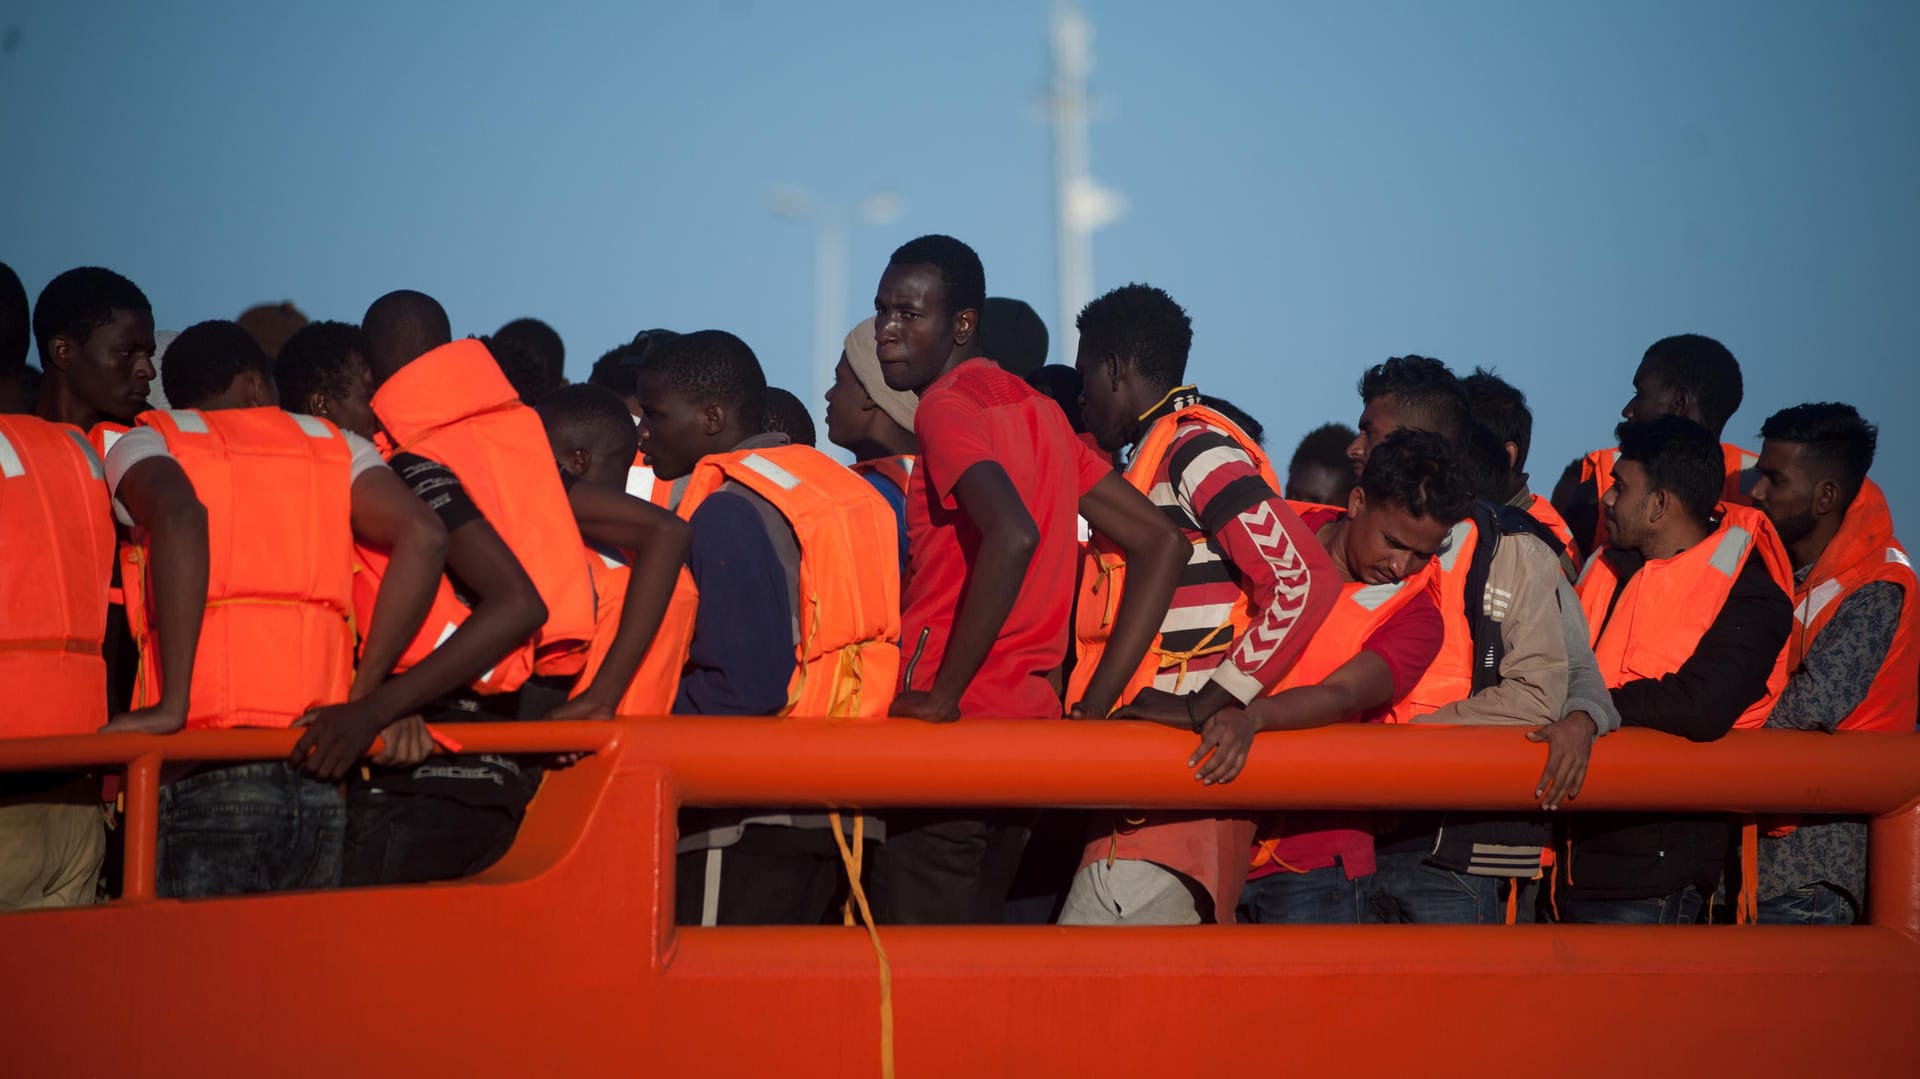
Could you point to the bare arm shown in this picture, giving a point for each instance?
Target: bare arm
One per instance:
(1155, 553)
(160, 498)
(387, 515)
(1359, 684)
(1008, 539)
(659, 541)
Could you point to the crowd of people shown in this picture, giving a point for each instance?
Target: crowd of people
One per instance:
(365, 530)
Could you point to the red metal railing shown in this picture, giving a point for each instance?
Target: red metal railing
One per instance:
(563, 956)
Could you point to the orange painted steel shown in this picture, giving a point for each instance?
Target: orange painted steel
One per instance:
(562, 957)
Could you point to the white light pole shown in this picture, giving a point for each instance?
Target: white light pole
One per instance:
(1080, 204)
(830, 227)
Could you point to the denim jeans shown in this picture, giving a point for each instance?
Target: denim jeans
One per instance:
(1316, 897)
(255, 827)
(1680, 908)
(1406, 889)
(1813, 904)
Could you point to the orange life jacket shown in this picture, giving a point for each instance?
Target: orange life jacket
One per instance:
(1362, 609)
(278, 636)
(1864, 551)
(1669, 603)
(849, 616)
(1542, 510)
(454, 406)
(1449, 677)
(1597, 467)
(56, 557)
(1103, 569)
(897, 470)
(657, 678)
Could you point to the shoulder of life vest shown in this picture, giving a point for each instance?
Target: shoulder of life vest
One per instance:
(1145, 462)
(56, 559)
(278, 637)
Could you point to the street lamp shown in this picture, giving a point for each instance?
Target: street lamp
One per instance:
(830, 226)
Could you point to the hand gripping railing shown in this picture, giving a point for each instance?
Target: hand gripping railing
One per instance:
(563, 956)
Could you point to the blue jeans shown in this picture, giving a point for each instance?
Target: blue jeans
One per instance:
(1680, 908)
(254, 827)
(1406, 889)
(1316, 897)
(1814, 904)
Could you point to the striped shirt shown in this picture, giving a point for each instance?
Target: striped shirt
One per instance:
(1249, 547)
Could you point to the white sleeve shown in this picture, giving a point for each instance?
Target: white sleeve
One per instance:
(365, 456)
(128, 450)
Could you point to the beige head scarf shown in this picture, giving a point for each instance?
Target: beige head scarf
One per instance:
(865, 361)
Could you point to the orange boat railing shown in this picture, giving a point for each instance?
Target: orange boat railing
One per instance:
(563, 957)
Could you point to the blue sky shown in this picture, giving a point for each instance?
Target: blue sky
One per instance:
(1542, 189)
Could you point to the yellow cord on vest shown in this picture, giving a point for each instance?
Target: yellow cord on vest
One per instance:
(851, 861)
(1170, 395)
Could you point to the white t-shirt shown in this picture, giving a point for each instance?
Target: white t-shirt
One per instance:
(141, 443)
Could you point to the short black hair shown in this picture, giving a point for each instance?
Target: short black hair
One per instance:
(79, 302)
(1143, 324)
(1326, 446)
(588, 416)
(1483, 464)
(619, 368)
(1500, 407)
(787, 415)
(1681, 457)
(713, 367)
(1253, 428)
(1424, 388)
(1062, 385)
(16, 322)
(401, 327)
(314, 360)
(1833, 435)
(1414, 469)
(1012, 335)
(963, 280)
(526, 372)
(542, 341)
(1705, 369)
(205, 359)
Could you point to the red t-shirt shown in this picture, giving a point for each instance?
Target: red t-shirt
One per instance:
(1408, 642)
(973, 413)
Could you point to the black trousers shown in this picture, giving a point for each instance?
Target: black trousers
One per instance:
(775, 875)
(946, 866)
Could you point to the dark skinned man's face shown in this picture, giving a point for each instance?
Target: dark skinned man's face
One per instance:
(673, 430)
(112, 368)
(1102, 411)
(913, 332)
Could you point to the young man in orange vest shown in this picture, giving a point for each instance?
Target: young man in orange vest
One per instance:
(1853, 658)
(1687, 375)
(56, 558)
(239, 592)
(619, 370)
(1689, 616)
(94, 332)
(1253, 590)
(1498, 406)
(485, 608)
(1384, 630)
(643, 595)
(791, 620)
(874, 422)
(466, 445)
(992, 541)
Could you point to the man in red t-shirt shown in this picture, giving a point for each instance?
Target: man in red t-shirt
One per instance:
(992, 543)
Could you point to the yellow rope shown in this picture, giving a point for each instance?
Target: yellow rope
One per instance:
(851, 861)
